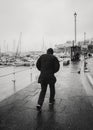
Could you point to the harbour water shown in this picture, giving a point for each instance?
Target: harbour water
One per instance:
(13, 79)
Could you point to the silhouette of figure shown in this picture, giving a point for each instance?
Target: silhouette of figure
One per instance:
(48, 65)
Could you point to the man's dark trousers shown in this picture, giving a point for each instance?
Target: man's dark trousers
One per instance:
(43, 92)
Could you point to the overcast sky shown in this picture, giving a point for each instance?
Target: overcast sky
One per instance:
(51, 21)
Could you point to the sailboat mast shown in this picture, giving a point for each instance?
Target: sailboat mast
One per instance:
(43, 46)
(18, 52)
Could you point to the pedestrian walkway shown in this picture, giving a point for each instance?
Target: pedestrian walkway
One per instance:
(71, 111)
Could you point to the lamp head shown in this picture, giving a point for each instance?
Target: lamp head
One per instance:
(75, 14)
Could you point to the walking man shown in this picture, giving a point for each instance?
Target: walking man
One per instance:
(48, 65)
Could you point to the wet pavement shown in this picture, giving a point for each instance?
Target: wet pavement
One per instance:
(73, 109)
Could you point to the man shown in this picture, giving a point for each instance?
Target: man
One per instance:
(48, 65)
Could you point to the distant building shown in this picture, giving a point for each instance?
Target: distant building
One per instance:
(64, 48)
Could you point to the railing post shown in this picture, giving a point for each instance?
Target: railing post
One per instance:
(31, 73)
(36, 78)
(14, 80)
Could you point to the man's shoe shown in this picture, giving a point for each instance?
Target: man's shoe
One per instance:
(51, 103)
(38, 107)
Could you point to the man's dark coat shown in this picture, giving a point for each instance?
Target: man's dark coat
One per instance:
(47, 64)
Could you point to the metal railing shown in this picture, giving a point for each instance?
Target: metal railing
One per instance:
(16, 80)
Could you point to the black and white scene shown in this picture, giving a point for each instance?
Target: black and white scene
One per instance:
(46, 65)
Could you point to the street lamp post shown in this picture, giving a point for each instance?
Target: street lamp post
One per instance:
(75, 25)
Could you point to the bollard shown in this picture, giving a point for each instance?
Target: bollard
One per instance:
(85, 65)
(79, 72)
